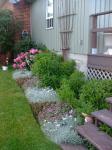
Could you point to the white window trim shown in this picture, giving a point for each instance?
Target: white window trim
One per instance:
(47, 18)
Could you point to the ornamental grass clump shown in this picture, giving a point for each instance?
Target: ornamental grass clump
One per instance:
(41, 95)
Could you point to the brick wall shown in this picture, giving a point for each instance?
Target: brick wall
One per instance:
(21, 11)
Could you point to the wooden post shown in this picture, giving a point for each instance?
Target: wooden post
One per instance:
(93, 35)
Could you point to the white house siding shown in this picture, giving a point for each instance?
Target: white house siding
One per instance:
(80, 36)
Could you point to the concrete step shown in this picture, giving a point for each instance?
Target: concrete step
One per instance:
(104, 116)
(99, 139)
(72, 147)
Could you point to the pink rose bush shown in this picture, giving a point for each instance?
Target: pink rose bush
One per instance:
(25, 59)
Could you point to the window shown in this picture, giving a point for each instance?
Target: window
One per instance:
(49, 14)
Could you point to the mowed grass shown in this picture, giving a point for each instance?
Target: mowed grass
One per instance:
(18, 128)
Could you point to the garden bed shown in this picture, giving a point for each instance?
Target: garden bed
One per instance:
(57, 119)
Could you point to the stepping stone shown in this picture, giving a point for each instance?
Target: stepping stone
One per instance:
(109, 100)
(104, 116)
(72, 147)
(99, 139)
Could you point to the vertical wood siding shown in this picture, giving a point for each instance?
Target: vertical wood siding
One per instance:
(80, 36)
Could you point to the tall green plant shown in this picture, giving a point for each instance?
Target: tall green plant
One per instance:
(7, 30)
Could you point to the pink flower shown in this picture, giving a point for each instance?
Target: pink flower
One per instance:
(14, 66)
(23, 64)
(18, 59)
(33, 51)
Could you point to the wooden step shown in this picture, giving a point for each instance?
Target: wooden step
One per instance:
(109, 101)
(99, 139)
(72, 147)
(104, 116)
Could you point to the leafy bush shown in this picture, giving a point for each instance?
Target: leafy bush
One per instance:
(70, 89)
(24, 45)
(76, 81)
(93, 95)
(46, 64)
(7, 30)
(66, 93)
(42, 47)
(67, 67)
(51, 69)
(50, 80)
(29, 1)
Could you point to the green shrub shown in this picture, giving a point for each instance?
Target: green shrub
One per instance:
(67, 67)
(76, 81)
(47, 64)
(47, 67)
(24, 45)
(106, 129)
(7, 30)
(51, 69)
(70, 88)
(93, 95)
(42, 47)
(52, 81)
(66, 93)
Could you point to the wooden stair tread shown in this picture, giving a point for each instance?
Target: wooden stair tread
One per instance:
(109, 100)
(72, 147)
(104, 116)
(99, 139)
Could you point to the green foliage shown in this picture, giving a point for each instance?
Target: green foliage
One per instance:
(77, 80)
(66, 93)
(93, 95)
(52, 69)
(7, 30)
(47, 66)
(70, 89)
(24, 45)
(106, 129)
(29, 1)
(67, 67)
(42, 47)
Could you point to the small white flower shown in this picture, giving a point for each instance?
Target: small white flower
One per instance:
(75, 119)
(64, 118)
(70, 116)
(58, 125)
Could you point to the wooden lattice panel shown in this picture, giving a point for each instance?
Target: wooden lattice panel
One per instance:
(98, 73)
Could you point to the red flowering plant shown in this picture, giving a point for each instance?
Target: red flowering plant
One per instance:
(25, 59)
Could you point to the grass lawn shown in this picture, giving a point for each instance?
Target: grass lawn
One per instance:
(18, 128)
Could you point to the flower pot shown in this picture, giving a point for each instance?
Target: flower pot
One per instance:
(4, 68)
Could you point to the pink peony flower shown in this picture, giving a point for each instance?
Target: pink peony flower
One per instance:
(33, 51)
(14, 66)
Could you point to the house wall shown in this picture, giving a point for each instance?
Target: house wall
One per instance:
(80, 41)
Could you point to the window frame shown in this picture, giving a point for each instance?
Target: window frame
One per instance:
(49, 18)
